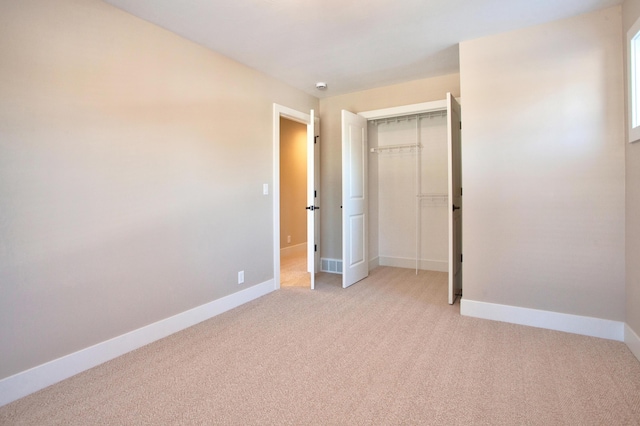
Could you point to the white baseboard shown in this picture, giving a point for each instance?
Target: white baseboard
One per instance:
(36, 378)
(291, 250)
(587, 326)
(424, 264)
(632, 340)
(374, 263)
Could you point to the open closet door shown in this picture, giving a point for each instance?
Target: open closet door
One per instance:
(313, 215)
(455, 197)
(355, 265)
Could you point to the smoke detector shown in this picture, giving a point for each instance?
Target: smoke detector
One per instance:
(321, 86)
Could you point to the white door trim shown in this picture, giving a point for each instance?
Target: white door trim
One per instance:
(300, 117)
(454, 146)
(313, 180)
(404, 110)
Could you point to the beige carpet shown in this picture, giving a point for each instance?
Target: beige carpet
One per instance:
(293, 270)
(386, 351)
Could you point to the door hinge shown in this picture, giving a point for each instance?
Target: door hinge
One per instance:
(315, 247)
(461, 191)
(315, 139)
(460, 257)
(461, 125)
(315, 194)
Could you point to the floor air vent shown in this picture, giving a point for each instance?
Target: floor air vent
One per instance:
(333, 266)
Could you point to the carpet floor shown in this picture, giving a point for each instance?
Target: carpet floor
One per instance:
(388, 350)
(293, 270)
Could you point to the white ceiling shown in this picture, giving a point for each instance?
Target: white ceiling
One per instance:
(350, 44)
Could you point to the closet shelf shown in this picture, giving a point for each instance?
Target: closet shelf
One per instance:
(434, 198)
(397, 148)
(409, 117)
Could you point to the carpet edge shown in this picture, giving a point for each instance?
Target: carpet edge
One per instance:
(34, 379)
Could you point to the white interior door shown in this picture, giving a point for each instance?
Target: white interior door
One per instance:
(313, 214)
(455, 197)
(355, 265)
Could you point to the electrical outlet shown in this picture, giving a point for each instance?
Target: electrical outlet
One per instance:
(240, 277)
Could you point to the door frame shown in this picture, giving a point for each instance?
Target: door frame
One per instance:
(400, 111)
(407, 110)
(300, 117)
(454, 147)
(313, 190)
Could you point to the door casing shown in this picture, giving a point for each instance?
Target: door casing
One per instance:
(300, 117)
(408, 110)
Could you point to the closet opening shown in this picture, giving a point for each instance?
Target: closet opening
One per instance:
(293, 199)
(408, 186)
(403, 165)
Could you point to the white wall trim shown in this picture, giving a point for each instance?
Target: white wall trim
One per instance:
(587, 326)
(632, 340)
(34, 379)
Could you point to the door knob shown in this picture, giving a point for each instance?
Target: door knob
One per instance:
(455, 207)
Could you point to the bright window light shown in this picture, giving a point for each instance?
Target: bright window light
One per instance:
(633, 59)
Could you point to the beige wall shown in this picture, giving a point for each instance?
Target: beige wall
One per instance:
(543, 167)
(293, 182)
(425, 90)
(631, 12)
(131, 171)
